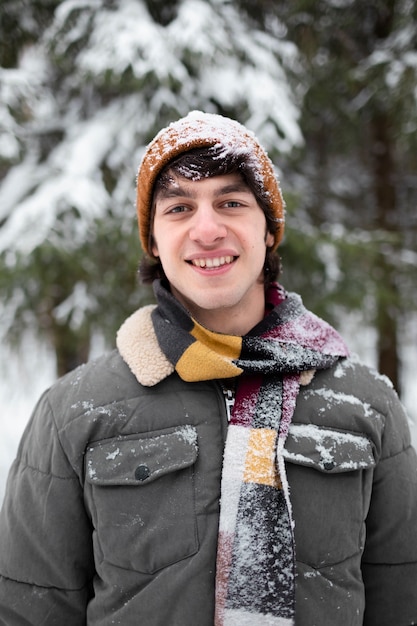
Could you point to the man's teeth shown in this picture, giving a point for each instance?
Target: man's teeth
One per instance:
(216, 262)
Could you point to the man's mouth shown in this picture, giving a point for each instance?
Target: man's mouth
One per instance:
(213, 263)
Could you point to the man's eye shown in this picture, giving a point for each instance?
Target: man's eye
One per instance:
(232, 203)
(178, 209)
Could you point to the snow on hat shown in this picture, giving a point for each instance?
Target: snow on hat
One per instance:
(202, 130)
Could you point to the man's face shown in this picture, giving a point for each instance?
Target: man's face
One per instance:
(211, 238)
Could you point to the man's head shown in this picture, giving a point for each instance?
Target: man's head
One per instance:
(202, 145)
(211, 216)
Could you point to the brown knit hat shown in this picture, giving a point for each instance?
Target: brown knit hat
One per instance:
(202, 130)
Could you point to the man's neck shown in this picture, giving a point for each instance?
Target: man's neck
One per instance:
(229, 322)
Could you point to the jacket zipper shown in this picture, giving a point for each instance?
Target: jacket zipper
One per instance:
(229, 399)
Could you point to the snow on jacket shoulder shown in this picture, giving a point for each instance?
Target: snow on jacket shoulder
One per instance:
(111, 509)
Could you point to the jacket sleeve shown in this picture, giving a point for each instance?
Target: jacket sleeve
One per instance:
(46, 562)
(389, 563)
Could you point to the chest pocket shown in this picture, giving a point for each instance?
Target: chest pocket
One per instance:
(142, 498)
(328, 450)
(330, 476)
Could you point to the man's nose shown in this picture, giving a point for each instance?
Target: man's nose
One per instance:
(207, 225)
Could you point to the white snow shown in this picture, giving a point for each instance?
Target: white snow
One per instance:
(112, 455)
(189, 435)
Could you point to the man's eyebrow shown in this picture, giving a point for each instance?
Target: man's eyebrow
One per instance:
(232, 188)
(175, 191)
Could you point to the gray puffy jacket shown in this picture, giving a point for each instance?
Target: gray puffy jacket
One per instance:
(111, 510)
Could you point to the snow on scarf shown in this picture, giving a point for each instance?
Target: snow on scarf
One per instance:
(255, 579)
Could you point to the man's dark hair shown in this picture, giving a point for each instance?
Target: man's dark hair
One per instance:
(202, 163)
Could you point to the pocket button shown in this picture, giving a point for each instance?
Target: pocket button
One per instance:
(142, 472)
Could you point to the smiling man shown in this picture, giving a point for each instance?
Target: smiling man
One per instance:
(229, 463)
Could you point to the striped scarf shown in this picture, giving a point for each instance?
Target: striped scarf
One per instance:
(255, 575)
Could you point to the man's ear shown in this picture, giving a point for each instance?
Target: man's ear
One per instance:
(269, 239)
(154, 247)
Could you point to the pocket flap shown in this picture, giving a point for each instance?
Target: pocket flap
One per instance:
(328, 450)
(138, 460)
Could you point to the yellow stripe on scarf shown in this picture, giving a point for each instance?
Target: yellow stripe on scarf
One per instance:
(260, 462)
(229, 346)
(200, 363)
(210, 356)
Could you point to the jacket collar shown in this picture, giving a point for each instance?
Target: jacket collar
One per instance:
(139, 348)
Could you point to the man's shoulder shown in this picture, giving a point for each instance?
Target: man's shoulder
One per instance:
(353, 397)
(101, 381)
(351, 376)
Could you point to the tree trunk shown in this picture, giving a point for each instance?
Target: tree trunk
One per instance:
(386, 291)
(71, 345)
(71, 348)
